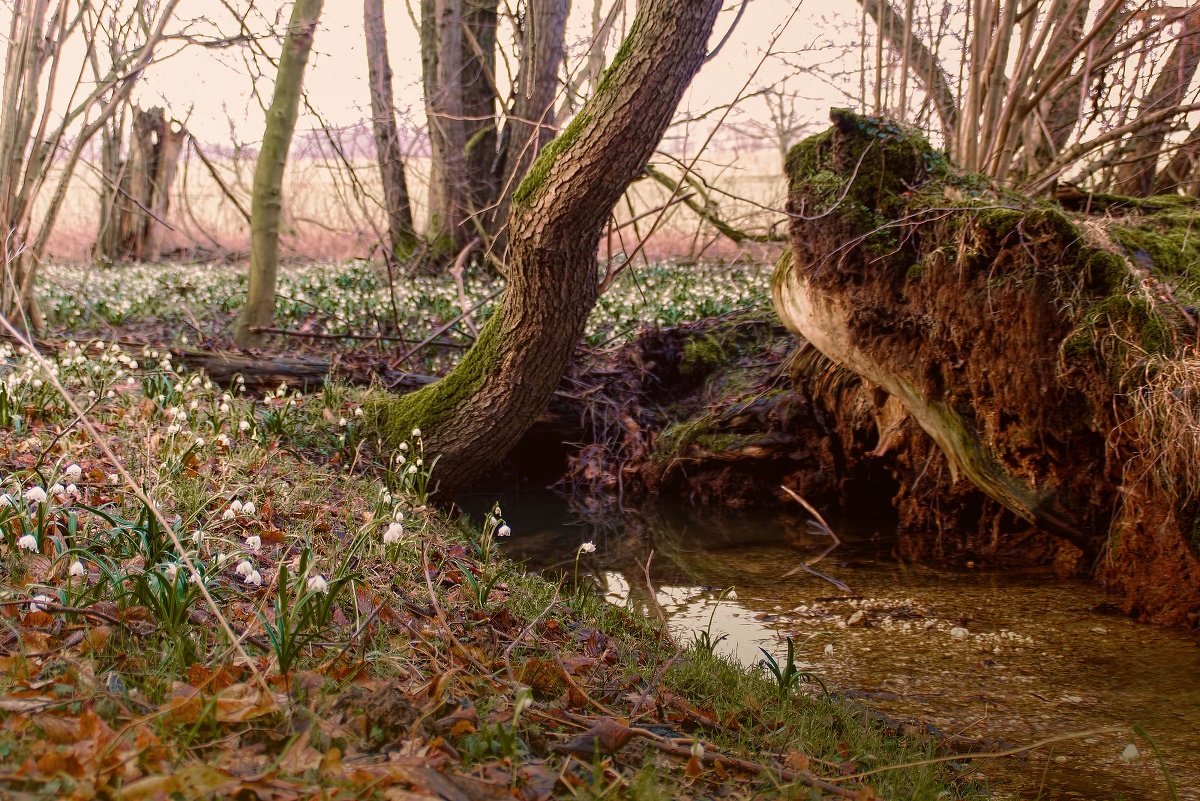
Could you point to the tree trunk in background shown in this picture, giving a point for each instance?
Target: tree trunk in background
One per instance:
(473, 416)
(136, 196)
(530, 125)
(401, 234)
(267, 202)
(442, 68)
(479, 110)
(1136, 175)
(1182, 174)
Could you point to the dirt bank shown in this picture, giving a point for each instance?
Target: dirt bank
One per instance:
(1032, 370)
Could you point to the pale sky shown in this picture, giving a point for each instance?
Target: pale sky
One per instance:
(209, 88)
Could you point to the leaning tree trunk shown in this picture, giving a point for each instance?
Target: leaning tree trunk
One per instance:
(530, 125)
(266, 206)
(473, 416)
(1041, 357)
(402, 237)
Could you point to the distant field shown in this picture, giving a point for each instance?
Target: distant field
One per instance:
(332, 215)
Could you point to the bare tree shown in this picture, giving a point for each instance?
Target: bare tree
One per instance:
(1018, 110)
(34, 135)
(267, 199)
(401, 234)
(474, 415)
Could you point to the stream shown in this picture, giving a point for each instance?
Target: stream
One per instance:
(991, 660)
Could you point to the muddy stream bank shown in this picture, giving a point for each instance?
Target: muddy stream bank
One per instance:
(988, 660)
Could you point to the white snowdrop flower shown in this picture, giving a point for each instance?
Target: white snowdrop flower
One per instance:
(254, 578)
(172, 430)
(91, 394)
(420, 462)
(244, 425)
(587, 547)
(73, 472)
(244, 568)
(404, 447)
(28, 542)
(197, 537)
(113, 478)
(1130, 753)
(77, 569)
(398, 514)
(199, 443)
(223, 408)
(317, 583)
(248, 508)
(223, 440)
(505, 531)
(236, 506)
(829, 649)
(133, 365)
(358, 412)
(343, 422)
(228, 514)
(393, 533)
(73, 491)
(57, 489)
(416, 433)
(110, 394)
(39, 602)
(253, 543)
(412, 468)
(171, 570)
(35, 494)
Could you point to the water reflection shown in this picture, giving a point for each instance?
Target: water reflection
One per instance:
(989, 659)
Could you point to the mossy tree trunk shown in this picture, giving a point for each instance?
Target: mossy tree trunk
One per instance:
(266, 206)
(402, 238)
(473, 416)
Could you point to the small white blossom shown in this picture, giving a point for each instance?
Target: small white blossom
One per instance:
(35, 494)
(171, 570)
(248, 508)
(57, 489)
(244, 425)
(39, 602)
(236, 506)
(197, 537)
(393, 533)
(254, 578)
(199, 442)
(228, 514)
(73, 472)
(28, 542)
(416, 433)
(253, 543)
(77, 569)
(318, 583)
(505, 531)
(1130, 753)
(73, 491)
(244, 568)
(172, 430)
(587, 547)
(404, 447)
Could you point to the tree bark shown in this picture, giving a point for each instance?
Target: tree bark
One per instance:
(1136, 175)
(441, 61)
(473, 416)
(1182, 173)
(266, 206)
(402, 237)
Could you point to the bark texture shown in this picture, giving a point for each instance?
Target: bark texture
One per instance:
(475, 415)
(1033, 362)
(401, 235)
(266, 208)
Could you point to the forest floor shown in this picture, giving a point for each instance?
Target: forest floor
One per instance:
(215, 592)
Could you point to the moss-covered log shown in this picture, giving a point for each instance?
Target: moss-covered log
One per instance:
(1045, 356)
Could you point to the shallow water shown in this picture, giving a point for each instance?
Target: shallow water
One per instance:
(992, 660)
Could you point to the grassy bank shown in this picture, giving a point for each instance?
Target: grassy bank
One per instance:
(242, 599)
